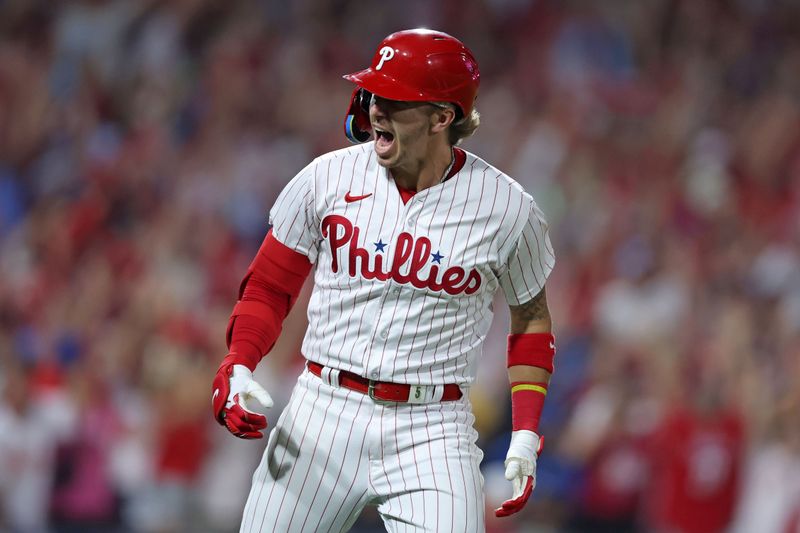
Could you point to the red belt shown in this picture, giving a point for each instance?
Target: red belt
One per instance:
(382, 391)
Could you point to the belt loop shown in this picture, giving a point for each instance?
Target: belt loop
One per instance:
(329, 376)
(334, 376)
(437, 391)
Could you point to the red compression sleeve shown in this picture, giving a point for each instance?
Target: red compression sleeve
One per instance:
(532, 349)
(527, 398)
(266, 296)
(527, 401)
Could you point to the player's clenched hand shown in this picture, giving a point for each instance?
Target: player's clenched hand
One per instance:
(233, 390)
(521, 470)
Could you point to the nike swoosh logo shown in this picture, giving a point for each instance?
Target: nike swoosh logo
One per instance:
(552, 345)
(348, 198)
(214, 396)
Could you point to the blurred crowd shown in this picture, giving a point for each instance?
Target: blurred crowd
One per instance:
(142, 143)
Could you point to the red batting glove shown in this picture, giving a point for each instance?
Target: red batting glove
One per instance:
(233, 387)
(521, 470)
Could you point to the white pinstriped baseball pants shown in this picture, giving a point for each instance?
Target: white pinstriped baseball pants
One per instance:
(334, 451)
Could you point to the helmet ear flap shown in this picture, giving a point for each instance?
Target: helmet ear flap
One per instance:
(357, 126)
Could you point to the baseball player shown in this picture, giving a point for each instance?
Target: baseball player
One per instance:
(409, 238)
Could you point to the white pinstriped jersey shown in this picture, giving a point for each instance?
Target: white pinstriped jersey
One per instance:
(403, 292)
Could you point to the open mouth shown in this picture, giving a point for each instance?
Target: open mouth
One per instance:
(383, 141)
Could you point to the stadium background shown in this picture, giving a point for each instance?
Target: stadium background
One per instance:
(142, 143)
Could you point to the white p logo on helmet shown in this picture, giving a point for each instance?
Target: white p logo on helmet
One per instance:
(387, 52)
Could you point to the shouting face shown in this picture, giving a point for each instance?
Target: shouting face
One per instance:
(403, 131)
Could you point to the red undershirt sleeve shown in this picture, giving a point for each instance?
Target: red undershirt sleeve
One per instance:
(266, 295)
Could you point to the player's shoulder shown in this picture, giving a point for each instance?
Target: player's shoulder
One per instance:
(352, 161)
(487, 171)
(355, 152)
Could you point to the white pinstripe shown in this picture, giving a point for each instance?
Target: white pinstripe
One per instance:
(340, 451)
(363, 458)
(347, 314)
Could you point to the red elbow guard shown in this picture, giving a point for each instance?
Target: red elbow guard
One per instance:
(266, 296)
(532, 349)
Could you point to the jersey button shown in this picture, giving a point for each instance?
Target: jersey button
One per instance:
(410, 221)
(384, 333)
(396, 291)
(374, 374)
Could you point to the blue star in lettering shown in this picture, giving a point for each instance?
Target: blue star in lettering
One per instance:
(437, 258)
(380, 245)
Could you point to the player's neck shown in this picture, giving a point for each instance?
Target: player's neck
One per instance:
(426, 171)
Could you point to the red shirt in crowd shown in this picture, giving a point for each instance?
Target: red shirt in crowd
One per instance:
(615, 476)
(697, 464)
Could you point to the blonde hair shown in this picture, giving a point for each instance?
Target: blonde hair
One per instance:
(462, 128)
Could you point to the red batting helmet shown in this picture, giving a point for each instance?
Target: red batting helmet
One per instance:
(414, 66)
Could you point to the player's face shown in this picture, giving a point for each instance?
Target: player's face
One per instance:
(402, 131)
